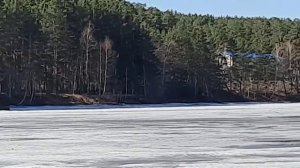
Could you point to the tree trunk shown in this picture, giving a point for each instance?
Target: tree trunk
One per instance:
(9, 86)
(105, 72)
(74, 81)
(126, 83)
(100, 71)
(164, 76)
(55, 70)
(297, 82)
(87, 70)
(206, 87)
(284, 86)
(164, 72)
(32, 90)
(276, 78)
(145, 81)
(195, 86)
(25, 94)
(291, 81)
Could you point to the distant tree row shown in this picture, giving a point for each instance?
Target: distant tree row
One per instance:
(113, 47)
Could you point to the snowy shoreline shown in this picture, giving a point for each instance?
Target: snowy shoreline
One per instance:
(141, 106)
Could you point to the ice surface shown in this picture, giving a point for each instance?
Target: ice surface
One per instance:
(195, 135)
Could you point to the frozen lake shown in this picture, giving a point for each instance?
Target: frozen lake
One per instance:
(231, 136)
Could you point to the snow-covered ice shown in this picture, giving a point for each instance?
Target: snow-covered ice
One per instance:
(223, 136)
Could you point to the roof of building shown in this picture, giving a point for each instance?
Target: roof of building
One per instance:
(249, 55)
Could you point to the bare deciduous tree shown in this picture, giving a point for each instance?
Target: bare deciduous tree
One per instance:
(89, 43)
(107, 46)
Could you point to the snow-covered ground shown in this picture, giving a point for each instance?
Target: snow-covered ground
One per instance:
(223, 136)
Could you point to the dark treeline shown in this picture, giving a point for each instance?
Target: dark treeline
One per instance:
(113, 47)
